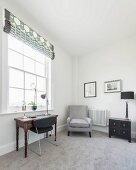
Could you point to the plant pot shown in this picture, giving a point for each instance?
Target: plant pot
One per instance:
(34, 108)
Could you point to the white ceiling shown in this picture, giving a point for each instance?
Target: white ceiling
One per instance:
(81, 26)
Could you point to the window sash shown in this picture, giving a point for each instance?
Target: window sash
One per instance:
(27, 89)
(33, 56)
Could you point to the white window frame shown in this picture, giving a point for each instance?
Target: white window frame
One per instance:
(4, 76)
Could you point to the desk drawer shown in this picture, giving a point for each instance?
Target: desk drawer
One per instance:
(125, 125)
(124, 133)
(114, 123)
(114, 131)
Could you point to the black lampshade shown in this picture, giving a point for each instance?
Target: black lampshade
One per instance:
(43, 96)
(127, 95)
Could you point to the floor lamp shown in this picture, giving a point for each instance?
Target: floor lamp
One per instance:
(127, 96)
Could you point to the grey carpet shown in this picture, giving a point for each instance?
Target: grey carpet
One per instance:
(77, 152)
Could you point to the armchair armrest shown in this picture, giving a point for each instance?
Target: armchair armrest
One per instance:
(89, 120)
(68, 121)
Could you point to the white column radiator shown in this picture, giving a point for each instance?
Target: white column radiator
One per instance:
(100, 117)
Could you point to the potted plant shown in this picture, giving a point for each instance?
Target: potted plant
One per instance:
(33, 105)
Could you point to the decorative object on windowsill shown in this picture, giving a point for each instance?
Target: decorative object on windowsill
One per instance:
(24, 109)
(127, 95)
(33, 105)
(23, 106)
(112, 86)
(44, 96)
(90, 89)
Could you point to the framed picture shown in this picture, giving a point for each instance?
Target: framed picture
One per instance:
(112, 86)
(90, 89)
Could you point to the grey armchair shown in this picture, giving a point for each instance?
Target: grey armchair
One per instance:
(78, 120)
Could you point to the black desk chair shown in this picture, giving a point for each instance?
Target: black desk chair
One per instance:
(43, 125)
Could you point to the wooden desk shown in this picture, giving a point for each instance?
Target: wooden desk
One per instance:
(26, 124)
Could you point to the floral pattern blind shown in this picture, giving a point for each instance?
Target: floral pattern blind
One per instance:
(24, 33)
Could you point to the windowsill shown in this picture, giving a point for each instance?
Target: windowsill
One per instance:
(29, 111)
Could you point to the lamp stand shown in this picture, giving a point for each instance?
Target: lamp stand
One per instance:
(126, 110)
(47, 106)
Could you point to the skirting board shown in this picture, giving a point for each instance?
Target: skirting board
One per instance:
(12, 146)
(106, 129)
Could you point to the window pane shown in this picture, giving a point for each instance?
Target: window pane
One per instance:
(41, 84)
(40, 69)
(15, 44)
(40, 57)
(15, 97)
(29, 96)
(28, 65)
(16, 78)
(40, 101)
(28, 51)
(29, 80)
(15, 59)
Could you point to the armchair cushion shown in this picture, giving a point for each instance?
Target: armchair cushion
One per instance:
(80, 123)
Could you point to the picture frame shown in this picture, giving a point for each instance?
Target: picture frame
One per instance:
(90, 89)
(113, 86)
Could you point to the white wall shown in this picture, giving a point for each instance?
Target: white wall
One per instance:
(113, 62)
(75, 80)
(61, 84)
(0, 60)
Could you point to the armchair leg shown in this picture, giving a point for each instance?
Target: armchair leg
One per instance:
(68, 133)
(90, 134)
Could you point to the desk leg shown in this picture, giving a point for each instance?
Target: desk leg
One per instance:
(26, 143)
(47, 135)
(55, 130)
(17, 137)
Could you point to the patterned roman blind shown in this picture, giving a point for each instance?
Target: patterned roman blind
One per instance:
(24, 33)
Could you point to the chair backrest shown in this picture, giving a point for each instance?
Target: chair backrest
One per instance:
(78, 111)
(44, 122)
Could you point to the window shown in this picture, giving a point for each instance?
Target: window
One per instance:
(29, 74)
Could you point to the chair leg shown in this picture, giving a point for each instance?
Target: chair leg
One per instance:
(39, 142)
(46, 134)
(68, 133)
(90, 134)
(50, 133)
(40, 147)
(53, 143)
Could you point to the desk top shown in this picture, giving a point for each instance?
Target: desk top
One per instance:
(30, 118)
